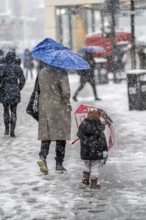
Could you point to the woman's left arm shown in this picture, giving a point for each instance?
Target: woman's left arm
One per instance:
(21, 79)
(65, 90)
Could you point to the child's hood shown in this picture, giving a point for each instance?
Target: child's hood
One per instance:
(91, 126)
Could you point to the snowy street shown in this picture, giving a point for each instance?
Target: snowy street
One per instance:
(27, 194)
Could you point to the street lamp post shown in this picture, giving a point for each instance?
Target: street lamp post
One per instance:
(113, 45)
(112, 8)
(133, 54)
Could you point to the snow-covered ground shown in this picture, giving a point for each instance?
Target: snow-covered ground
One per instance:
(26, 194)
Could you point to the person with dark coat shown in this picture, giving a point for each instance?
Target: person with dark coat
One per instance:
(1, 56)
(87, 76)
(12, 82)
(93, 146)
(28, 63)
(2, 60)
(54, 115)
(18, 60)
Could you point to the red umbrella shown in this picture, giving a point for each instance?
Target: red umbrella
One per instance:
(82, 112)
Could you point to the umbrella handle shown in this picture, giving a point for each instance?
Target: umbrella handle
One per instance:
(73, 142)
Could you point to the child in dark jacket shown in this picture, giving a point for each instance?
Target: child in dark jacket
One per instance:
(93, 146)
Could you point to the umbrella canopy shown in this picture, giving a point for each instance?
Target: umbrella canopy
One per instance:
(91, 49)
(82, 112)
(55, 54)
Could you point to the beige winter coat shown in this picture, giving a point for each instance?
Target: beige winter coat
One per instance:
(54, 105)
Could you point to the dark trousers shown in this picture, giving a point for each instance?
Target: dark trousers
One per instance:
(10, 116)
(31, 73)
(60, 150)
(82, 86)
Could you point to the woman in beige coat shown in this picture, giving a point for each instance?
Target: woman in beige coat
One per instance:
(54, 115)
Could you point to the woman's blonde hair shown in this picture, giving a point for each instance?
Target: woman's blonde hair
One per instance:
(93, 113)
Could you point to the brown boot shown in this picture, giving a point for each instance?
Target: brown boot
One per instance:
(94, 184)
(86, 176)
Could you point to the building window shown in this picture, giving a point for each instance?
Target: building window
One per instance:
(93, 20)
(73, 22)
(63, 26)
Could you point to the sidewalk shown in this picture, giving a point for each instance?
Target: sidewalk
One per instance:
(26, 194)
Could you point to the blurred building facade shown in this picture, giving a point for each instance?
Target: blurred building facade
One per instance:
(69, 21)
(124, 21)
(22, 22)
(26, 22)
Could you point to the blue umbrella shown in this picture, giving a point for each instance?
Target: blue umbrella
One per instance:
(91, 49)
(55, 54)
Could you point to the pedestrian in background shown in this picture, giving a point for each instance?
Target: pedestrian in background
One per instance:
(87, 76)
(54, 115)
(142, 56)
(17, 58)
(2, 60)
(1, 56)
(12, 82)
(28, 63)
(93, 147)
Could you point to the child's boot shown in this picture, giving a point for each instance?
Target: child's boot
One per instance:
(86, 176)
(94, 184)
